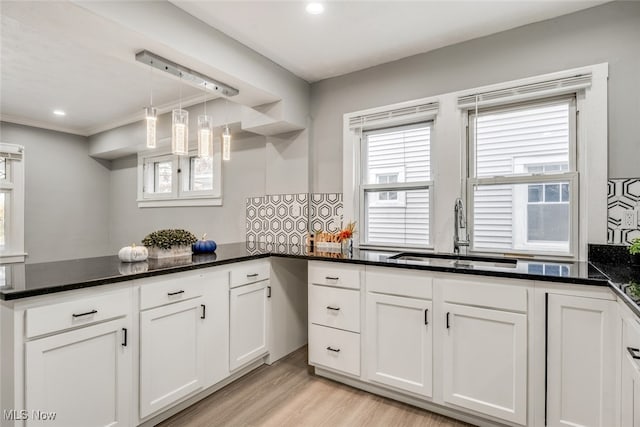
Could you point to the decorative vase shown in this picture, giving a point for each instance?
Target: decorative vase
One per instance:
(175, 252)
(347, 246)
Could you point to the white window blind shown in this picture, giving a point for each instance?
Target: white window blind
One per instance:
(396, 116)
(544, 89)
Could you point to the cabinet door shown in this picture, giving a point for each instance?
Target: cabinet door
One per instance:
(171, 354)
(399, 342)
(84, 376)
(580, 361)
(630, 398)
(248, 316)
(485, 361)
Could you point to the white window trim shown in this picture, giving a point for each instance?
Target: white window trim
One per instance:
(179, 197)
(448, 156)
(15, 184)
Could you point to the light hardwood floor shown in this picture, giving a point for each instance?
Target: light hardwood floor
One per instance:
(286, 394)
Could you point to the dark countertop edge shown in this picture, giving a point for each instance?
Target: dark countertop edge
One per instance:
(169, 270)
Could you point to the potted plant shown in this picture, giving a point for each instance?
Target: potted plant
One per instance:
(634, 250)
(169, 243)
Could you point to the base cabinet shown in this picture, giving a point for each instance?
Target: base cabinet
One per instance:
(630, 395)
(580, 361)
(80, 378)
(485, 361)
(399, 343)
(248, 318)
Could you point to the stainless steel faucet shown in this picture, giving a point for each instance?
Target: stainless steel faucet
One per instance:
(460, 223)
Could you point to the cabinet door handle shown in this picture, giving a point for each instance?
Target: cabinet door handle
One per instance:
(85, 314)
(426, 316)
(268, 291)
(124, 337)
(634, 352)
(175, 293)
(332, 277)
(333, 308)
(204, 311)
(335, 350)
(252, 275)
(447, 320)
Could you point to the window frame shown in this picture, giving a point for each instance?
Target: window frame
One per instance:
(363, 188)
(13, 186)
(527, 249)
(181, 170)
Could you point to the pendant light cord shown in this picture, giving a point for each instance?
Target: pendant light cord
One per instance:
(205, 98)
(151, 83)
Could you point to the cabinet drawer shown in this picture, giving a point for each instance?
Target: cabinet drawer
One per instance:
(335, 274)
(335, 349)
(338, 308)
(249, 272)
(80, 312)
(396, 281)
(162, 290)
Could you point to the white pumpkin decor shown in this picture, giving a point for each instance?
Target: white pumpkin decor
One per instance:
(133, 253)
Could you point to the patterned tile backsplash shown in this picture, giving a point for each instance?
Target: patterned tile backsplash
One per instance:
(623, 196)
(283, 219)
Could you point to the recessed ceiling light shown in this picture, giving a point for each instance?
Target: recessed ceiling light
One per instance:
(59, 113)
(315, 8)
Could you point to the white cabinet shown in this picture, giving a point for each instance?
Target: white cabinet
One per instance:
(630, 393)
(84, 376)
(249, 323)
(485, 361)
(399, 342)
(580, 361)
(171, 353)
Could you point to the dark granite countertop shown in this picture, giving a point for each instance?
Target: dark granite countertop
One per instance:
(25, 280)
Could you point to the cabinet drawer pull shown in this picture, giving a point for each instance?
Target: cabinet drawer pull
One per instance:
(332, 278)
(175, 293)
(426, 316)
(268, 291)
(124, 337)
(85, 314)
(333, 308)
(634, 352)
(335, 350)
(252, 275)
(447, 320)
(204, 311)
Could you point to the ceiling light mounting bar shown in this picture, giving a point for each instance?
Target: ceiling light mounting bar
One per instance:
(188, 75)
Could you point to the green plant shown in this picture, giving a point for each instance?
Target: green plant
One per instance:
(166, 239)
(634, 249)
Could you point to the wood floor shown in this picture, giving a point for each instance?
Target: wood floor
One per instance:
(286, 394)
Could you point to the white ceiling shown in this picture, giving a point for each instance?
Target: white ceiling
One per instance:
(353, 35)
(59, 55)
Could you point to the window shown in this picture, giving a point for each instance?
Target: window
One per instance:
(11, 203)
(395, 186)
(168, 180)
(523, 178)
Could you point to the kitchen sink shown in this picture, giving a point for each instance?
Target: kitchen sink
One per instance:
(453, 260)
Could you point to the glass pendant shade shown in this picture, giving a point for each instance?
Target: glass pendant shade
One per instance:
(226, 144)
(180, 132)
(205, 136)
(151, 117)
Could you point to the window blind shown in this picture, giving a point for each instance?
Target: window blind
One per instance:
(530, 91)
(11, 151)
(395, 116)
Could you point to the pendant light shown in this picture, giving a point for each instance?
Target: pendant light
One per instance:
(180, 128)
(205, 131)
(226, 138)
(151, 115)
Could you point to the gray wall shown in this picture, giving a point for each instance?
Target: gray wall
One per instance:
(608, 33)
(66, 203)
(243, 176)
